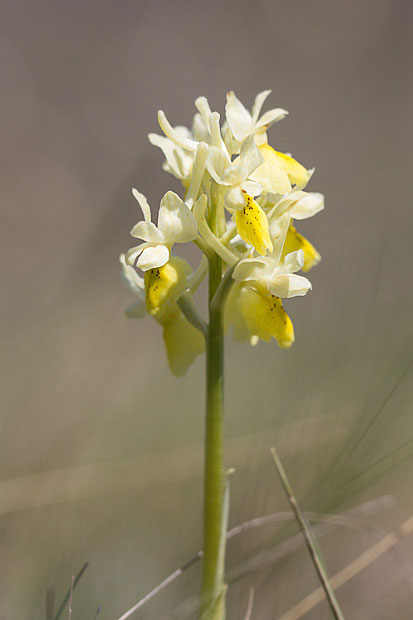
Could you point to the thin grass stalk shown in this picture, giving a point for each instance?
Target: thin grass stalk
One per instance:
(309, 539)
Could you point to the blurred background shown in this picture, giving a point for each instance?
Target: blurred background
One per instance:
(100, 447)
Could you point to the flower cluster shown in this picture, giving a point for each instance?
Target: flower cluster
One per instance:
(241, 200)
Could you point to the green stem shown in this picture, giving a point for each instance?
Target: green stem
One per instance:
(212, 595)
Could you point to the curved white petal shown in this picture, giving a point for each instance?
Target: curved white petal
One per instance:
(218, 163)
(176, 222)
(207, 234)
(147, 231)
(250, 159)
(252, 188)
(292, 262)
(173, 134)
(133, 253)
(258, 103)
(271, 117)
(307, 206)
(278, 231)
(143, 203)
(153, 256)
(179, 161)
(199, 131)
(289, 285)
(202, 105)
(252, 269)
(234, 198)
(197, 173)
(238, 117)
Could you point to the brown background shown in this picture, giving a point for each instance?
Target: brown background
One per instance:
(100, 448)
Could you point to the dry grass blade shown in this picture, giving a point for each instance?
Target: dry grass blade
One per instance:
(69, 593)
(250, 604)
(350, 519)
(309, 538)
(69, 608)
(351, 570)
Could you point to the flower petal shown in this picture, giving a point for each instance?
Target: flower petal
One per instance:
(265, 317)
(204, 230)
(175, 220)
(165, 284)
(295, 241)
(272, 174)
(143, 203)
(252, 225)
(289, 285)
(183, 342)
(252, 269)
(307, 205)
(152, 256)
(175, 135)
(250, 159)
(270, 117)
(258, 103)
(148, 232)
(179, 161)
(238, 117)
(218, 163)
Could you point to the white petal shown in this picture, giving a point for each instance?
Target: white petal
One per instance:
(249, 160)
(289, 285)
(197, 173)
(292, 262)
(207, 234)
(271, 117)
(143, 203)
(204, 110)
(199, 130)
(252, 188)
(176, 222)
(216, 138)
(234, 198)
(147, 231)
(252, 269)
(179, 161)
(258, 103)
(133, 253)
(238, 117)
(278, 232)
(217, 165)
(153, 256)
(307, 206)
(173, 134)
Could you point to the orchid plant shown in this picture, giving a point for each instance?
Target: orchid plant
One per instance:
(240, 202)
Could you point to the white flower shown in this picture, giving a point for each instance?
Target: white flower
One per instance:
(179, 161)
(176, 224)
(299, 205)
(279, 279)
(243, 123)
(235, 174)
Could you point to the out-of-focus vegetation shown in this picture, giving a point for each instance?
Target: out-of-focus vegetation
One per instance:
(101, 449)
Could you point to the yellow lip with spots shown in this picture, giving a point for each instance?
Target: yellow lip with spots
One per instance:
(252, 225)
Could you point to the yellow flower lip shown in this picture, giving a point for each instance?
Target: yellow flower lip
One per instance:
(164, 285)
(252, 225)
